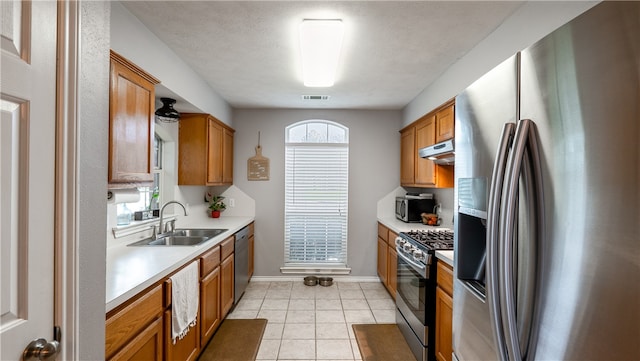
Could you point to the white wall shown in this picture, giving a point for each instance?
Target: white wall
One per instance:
(91, 181)
(131, 39)
(530, 23)
(374, 151)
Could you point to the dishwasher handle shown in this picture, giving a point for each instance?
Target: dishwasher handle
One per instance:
(242, 235)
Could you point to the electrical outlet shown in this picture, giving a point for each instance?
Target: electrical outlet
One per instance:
(232, 202)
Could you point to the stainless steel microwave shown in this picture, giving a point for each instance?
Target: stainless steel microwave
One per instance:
(410, 209)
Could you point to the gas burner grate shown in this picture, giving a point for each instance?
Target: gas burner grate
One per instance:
(433, 239)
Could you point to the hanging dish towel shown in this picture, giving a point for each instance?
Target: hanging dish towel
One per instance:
(184, 301)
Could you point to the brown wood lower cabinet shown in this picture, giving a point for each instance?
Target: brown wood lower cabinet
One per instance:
(392, 274)
(444, 312)
(186, 348)
(387, 259)
(382, 260)
(251, 248)
(133, 318)
(226, 285)
(147, 345)
(210, 316)
(140, 329)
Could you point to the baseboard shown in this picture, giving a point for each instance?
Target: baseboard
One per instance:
(301, 278)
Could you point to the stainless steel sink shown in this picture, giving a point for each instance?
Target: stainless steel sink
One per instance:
(199, 232)
(181, 237)
(177, 241)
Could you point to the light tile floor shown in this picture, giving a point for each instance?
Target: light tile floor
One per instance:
(313, 322)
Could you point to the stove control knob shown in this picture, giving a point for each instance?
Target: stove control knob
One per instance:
(400, 242)
(407, 247)
(419, 256)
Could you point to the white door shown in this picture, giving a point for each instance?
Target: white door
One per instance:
(27, 179)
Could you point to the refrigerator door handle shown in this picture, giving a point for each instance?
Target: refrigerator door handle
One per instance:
(536, 166)
(508, 224)
(524, 160)
(493, 218)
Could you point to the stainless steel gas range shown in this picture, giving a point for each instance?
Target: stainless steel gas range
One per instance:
(415, 298)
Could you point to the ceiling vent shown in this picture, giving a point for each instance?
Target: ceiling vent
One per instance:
(315, 97)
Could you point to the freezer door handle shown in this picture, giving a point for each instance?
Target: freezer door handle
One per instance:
(493, 218)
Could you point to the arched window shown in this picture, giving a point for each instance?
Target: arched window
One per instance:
(316, 195)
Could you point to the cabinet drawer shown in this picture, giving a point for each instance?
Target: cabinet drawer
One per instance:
(383, 232)
(168, 291)
(129, 321)
(392, 239)
(209, 261)
(445, 277)
(226, 247)
(251, 226)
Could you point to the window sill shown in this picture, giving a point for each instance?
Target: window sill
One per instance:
(316, 269)
(137, 226)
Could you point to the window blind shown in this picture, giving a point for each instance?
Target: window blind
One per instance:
(316, 203)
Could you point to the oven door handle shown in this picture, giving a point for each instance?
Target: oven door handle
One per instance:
(422, 268)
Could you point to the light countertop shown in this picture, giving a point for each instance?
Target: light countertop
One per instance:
(132, 269)
(446, 256)
(398, 226)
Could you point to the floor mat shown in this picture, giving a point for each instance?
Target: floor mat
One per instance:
(382, 342)
(235, 340)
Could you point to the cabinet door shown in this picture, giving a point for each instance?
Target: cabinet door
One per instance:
(226, 286)
(392, 267)
(214, 152)
(131, 108)
(407, 156)
(209, 305)
(121, 326)
(444, 319)
(445, 121)
(192, 149)
(382, 260)
(251, 250)
(425, 174)
(186, 348)
(147, 345)
(227, 157)
(205, 151)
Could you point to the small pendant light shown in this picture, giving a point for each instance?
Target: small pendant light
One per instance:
(166, 113)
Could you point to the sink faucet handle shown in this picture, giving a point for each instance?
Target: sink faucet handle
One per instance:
(170, 226)
(154, 234)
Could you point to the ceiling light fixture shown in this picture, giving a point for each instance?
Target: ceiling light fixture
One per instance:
(320, 44)
(166, 113)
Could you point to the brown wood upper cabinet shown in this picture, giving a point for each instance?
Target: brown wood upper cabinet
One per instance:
(445, 123)
(131, 119)
(205, 151)
(432, 128)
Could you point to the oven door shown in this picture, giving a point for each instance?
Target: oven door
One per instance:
(412, 292)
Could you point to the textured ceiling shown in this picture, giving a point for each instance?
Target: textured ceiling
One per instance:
(247, 51)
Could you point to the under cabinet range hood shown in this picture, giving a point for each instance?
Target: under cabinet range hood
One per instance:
(440, 153)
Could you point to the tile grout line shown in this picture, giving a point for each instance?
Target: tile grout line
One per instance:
(315, 324)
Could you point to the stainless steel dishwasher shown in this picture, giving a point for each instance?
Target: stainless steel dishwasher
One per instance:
(241, 260)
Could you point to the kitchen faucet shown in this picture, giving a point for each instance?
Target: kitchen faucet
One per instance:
(162, 214)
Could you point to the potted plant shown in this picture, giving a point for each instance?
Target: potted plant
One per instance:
(216, 205)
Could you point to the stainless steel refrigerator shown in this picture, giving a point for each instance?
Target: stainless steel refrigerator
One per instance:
(547, 241)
